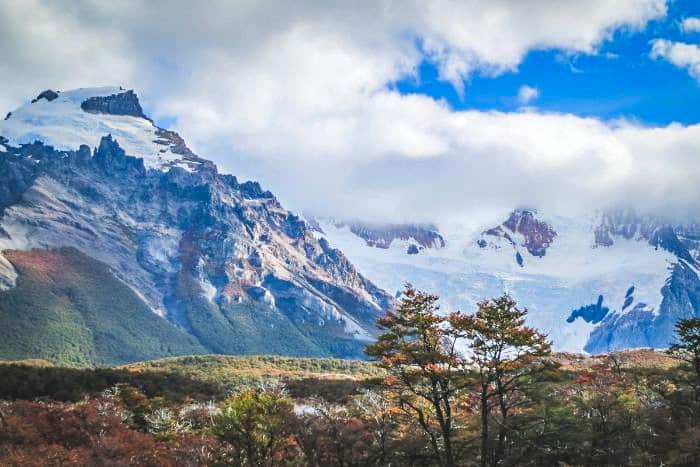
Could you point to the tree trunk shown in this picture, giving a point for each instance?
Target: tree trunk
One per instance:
(445, 422)
(484, 426)
(502, 429)
(500, 447)
(449, 456)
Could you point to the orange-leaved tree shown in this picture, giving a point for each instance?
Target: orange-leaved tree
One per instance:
(418, 351)
(505, 354)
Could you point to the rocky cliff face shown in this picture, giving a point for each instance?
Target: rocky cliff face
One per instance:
(221, 259)
(122, 103)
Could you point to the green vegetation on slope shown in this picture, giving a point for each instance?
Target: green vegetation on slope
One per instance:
(201, 377)
(252, 328)
(70, 309)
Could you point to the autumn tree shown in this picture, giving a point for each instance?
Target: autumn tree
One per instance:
(255, 423)
(418, 351)
(375, 406)
(504, 353)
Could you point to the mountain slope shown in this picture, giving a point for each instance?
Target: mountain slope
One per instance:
(221, 260)
(70, 309)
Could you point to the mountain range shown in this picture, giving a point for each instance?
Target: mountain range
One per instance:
(118, 243)
(594, 283)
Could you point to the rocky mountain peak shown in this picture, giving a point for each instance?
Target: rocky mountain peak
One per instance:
(68, 119)
(49, 95)
(221, 260)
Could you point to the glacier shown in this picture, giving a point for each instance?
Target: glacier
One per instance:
(574, 272)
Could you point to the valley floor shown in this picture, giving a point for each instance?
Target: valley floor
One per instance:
(627, 408)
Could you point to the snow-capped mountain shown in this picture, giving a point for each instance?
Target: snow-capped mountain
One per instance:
(90, 187)
(214, 259)
(595, 283)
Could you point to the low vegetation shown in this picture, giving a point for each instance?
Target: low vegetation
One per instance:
(444, 390)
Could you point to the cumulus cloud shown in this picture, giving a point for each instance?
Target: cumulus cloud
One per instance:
(526, 94)
(689, 25)
(300, 96)
(682, 55)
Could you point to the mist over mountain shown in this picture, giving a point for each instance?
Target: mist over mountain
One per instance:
(416, 120)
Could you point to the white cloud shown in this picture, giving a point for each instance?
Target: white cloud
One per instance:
(689, 25)
(299, 96)
(682, 55)
(526, 94)
(494, 36)
(44, 45)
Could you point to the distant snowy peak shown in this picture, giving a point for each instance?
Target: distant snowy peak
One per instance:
(414, 237)
(681, 240)
(624, 224)
(67, 120)
(522, 229)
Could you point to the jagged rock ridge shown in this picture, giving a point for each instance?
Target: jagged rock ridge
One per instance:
(639, 324)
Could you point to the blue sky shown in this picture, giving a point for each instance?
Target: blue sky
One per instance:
(620, 81)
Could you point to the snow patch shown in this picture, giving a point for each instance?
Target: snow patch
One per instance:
(208, 290)
(355, 330)
(158, 311)
(63, 124)
(305, 409)
(8, 274)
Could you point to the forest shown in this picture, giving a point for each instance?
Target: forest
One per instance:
(456, 389)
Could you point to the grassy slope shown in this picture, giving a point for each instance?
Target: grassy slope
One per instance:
(69, 309)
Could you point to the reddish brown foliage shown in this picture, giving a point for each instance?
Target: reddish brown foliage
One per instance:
(90, 433)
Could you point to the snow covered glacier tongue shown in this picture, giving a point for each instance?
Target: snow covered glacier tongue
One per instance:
(220, 260)
(594, 284)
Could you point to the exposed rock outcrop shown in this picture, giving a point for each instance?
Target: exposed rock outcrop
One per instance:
(125, 103)
(49, 95)
(522, 229)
